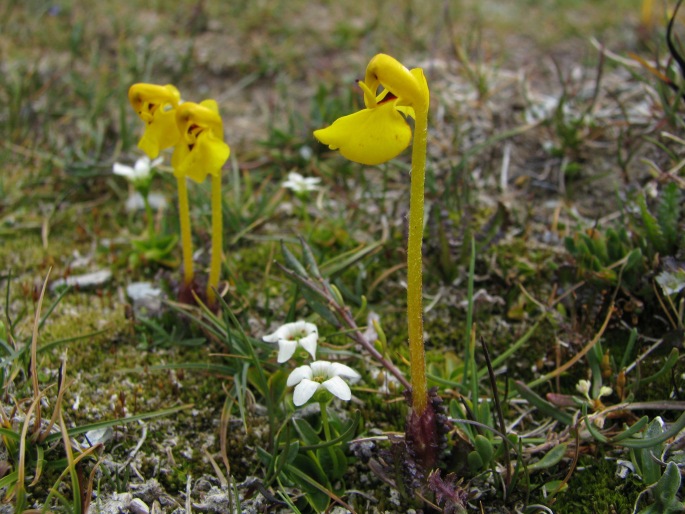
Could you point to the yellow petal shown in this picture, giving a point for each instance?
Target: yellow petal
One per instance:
(142, 95)
(370, 136)
(394, 76)
(422, 82)
(162, 132)
(155, 105)
(206, 156)
(205, 115)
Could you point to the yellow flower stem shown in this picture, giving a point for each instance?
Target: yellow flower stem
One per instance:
(184, 219)
(417, 355)
(215, 265)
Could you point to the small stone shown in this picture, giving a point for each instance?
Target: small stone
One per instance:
(99, 435)
(86, 281)
(138, 506)
(145, 297)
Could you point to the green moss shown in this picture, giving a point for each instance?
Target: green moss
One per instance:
(594, 487)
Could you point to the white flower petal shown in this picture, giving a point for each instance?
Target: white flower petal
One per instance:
(123, 170)
(321, 369)
(271, 338)
(337, 387)
(142, 166)
(309, 343)
(341, 370)
(304, 391)
(286, 349)
(298, 375)
(156, 162)
(291, 331)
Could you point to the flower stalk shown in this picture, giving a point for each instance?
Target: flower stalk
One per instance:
(415, 263)
(184, 227)
(217, 243)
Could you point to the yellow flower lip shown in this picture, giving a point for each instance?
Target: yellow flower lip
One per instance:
(370, 136)
(202, 149)
(380, 132)
(147, 98)
(155, 105)
(193, 118)
(408, 86)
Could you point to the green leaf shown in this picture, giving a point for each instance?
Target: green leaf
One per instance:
(333, 460)
(666, 368)
(346, 434)
(309, 260)
(667, 488)
(668, 214)
(309, 436)
(550, 459)
(634, 429)
(543, 405)
(475, 461)
(484, 448)
(119, 421)
(652, 229)
(292, 261)
(307, 473)
(555, 486)
(649, 441)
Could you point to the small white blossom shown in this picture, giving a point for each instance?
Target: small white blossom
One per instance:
(604, 391)
(299, 184)
(288, 336)
(583, 387)
(140, 170)
(326, 375)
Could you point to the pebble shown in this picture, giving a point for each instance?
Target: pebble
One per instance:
(138, 506)
(85, 281)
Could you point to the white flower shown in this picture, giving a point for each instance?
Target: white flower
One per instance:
(140, 170)
(310, 378)
(290, 335)
(583, 387)
(604, 391)
(299, 184)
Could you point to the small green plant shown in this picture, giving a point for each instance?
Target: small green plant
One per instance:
(153, 248)
(626, 254)
(665, 493)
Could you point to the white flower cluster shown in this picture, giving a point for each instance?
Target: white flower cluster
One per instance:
(300, 184)
(140, 171)
(314, 377)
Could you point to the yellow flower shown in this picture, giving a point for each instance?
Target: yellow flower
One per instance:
(201, 149)
(156, 106)
(379, 132)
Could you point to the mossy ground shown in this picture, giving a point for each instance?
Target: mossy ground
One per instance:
(533, 137)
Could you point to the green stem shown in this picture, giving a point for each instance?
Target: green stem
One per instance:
(324, 421)
(417, 355)
(150, 218)
(215, 265)
(184, 219)
(469, 313)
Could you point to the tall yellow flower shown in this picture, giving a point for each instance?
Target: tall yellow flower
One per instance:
(375, 135)
(196, 132)
(379, 132)
(156, 105)
(201, 151)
